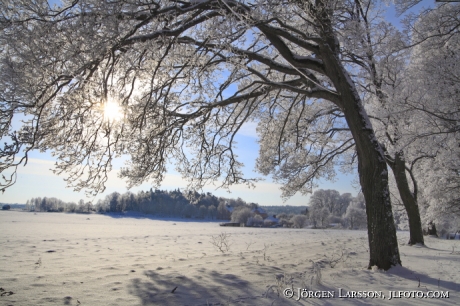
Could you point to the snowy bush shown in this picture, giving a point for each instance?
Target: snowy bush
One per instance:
(257, 220)
(299, 221)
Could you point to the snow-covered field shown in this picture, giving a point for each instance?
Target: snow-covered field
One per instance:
(75, 259)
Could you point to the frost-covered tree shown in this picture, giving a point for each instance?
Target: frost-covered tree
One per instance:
(408, 81)
(329, 199)
(212, 211)
(241, 215)
(28, 206)
(222, 211)
(342, 203)
(176, 80)
(441, 190)
(319, 216)
(355, 217)
(299, 221)
(376, 50)
(202, 211)
(429, 98)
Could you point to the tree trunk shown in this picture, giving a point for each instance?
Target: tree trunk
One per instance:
(408, 198)
(372, 168)
(373, 176)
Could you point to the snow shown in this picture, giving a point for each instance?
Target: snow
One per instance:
(56, 259)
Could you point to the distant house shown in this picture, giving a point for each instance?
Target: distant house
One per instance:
(260, 212)
(271, 220)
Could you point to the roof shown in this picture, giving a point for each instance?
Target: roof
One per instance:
(272, 219)
(259, 210)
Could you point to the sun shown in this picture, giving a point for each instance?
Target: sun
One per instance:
(112, 111)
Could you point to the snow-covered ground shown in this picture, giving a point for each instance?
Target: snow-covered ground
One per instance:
(76, 259)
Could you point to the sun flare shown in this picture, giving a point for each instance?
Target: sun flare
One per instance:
(112, 111)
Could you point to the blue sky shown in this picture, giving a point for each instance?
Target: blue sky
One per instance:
(37, 180)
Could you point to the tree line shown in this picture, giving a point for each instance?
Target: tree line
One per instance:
(173, 203)
(325, 207)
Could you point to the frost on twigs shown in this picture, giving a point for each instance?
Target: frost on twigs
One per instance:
(221, 242)
(186, 78)
(335, 258)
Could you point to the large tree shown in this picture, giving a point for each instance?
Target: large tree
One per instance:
(187, 76)
(377, 51)
(409, 81)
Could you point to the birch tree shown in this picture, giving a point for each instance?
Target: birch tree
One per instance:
(175, 81)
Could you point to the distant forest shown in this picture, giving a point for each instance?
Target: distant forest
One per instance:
(14, 206)
(173, 203)
(289, 210)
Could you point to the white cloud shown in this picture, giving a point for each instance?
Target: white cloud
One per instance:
(248, 129)
(36, 166)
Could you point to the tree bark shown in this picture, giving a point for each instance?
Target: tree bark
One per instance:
(408, 198)
(373, 176)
